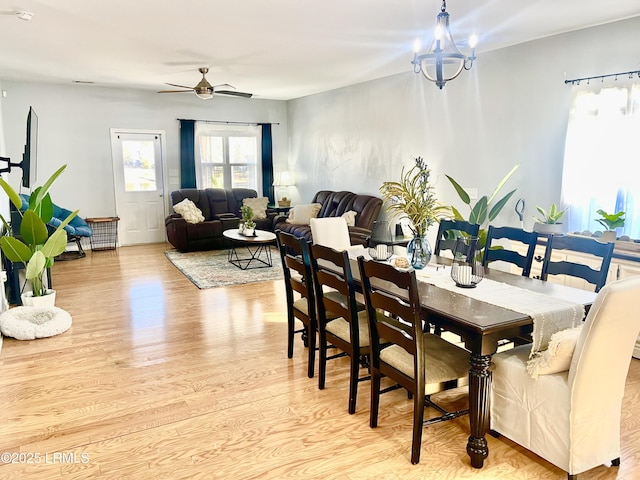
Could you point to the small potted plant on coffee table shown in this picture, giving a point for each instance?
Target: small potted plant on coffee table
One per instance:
(246, 212)
(610, 221)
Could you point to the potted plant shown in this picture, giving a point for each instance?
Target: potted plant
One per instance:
(413, 198)
(484, 210)
(610, 221)
(35, 248)
(548, 222)
(247, 222)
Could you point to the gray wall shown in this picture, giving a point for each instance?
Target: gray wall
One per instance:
(74, 129)
(511, 108)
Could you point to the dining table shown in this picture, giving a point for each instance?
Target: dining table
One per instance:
(482, 325)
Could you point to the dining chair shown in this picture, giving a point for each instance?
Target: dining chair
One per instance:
(450, 230)
(602, 253)
(296, 265)
(331, 232)
(422, 363)
(570, 414)
(493, 252)
(342, 320)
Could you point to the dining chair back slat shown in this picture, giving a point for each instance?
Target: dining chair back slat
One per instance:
(572, 243)
(493, 253)
(450, 230)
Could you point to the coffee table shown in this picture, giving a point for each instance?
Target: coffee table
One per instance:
(258, 248)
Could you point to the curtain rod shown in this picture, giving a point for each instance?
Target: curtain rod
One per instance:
(228, 123)
(576, 81)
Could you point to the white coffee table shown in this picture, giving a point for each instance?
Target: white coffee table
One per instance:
(258, 248)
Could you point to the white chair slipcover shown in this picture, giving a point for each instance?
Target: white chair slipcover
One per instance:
(572, 418)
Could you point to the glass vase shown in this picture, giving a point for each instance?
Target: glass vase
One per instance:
(418, 252)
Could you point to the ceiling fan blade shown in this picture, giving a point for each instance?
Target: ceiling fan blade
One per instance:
(181, 86)
(236, 94)
(176, 91)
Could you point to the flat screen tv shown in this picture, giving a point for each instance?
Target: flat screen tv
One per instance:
(30, 156)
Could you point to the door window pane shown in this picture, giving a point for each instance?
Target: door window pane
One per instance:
(139, 165)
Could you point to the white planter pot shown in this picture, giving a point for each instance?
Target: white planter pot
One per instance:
(548, 228)
(609, 236)
(48, 300)
(249, 232)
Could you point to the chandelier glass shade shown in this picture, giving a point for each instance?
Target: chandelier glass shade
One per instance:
(443, 61)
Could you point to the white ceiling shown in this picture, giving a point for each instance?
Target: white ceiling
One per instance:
(276, 49)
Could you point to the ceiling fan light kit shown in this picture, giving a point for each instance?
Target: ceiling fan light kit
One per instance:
(204, 90)
(443, 61)
(21, 14)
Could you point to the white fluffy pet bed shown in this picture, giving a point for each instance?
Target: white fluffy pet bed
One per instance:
(28, 323)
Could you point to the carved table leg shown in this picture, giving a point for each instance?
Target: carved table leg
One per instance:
(479, 383)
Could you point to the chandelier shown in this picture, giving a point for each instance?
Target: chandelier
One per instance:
(443, 61)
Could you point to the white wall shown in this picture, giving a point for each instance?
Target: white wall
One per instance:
(512, 107)
(74, 123)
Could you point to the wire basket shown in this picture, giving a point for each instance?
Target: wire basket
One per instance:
(105, 233)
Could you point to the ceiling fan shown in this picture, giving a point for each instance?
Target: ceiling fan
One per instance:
(205, 90)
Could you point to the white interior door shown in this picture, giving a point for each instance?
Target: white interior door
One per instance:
(138, 170)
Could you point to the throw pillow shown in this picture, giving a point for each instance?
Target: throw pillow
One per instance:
(302, 214)
(557, 357)
(188, 210)
(258, 205)
(350, 217)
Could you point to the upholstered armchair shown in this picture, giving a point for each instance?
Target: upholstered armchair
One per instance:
(571, 418)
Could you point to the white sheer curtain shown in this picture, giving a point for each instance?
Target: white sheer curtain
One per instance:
(227, 156)
(602, 156)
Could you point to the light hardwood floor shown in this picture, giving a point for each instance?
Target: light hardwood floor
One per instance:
(157, 379)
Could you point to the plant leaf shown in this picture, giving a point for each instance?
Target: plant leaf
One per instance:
(502, 182)
(464, 196)
(32, 229)
(15, 250)
(479, 212)
(12, 194)
(495, 210)
(36, 265)
(55, 245)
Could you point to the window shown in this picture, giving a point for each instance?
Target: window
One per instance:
(602, 159)
(228, 156)
(139, 165)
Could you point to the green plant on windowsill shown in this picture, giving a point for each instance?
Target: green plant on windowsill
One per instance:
(610, 221)
(35, 248)
(551, 217)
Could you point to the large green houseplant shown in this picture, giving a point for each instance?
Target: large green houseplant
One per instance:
(486, 209)
(35, 247)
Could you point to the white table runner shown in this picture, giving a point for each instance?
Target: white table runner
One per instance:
(550, 314)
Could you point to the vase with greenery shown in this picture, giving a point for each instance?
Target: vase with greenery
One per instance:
(486, 209)
(548, 221)
(413, 198)
(610, 221)
(247, 225)
(34, 247)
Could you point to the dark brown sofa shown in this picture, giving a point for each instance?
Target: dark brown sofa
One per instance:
(334, 204)
(221, 211)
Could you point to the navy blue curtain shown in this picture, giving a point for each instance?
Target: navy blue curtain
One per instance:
(187, 154)
(267, 162)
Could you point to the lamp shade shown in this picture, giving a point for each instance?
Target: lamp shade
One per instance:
(283, 179)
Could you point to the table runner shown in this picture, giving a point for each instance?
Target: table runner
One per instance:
(550, 314)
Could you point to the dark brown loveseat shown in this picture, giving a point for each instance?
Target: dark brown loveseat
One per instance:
(334, 204)
(221, 211)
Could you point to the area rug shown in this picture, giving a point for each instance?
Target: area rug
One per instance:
(212, 269)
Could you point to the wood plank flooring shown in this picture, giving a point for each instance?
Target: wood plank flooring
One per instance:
(159, 380)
